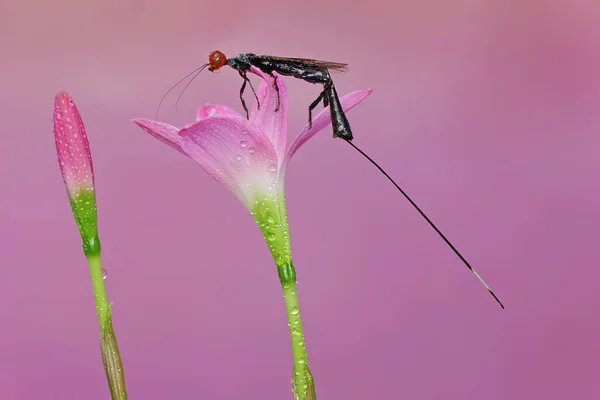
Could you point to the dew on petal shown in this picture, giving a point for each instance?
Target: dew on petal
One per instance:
(243, 143)
(251, 150)
(272, 168)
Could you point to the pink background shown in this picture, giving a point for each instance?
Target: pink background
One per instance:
(486, 112)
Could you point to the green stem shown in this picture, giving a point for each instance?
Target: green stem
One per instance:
(113, 366)
(111, 358)
(102, 306)
(269, 212)
(302, 382)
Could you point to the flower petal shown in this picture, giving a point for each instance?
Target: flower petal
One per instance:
(234, 152)
(212, 110)
(164, 132)
(72, 146)
(274, 124)
(324, 118)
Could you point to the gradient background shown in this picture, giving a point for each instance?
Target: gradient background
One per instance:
(486, 112)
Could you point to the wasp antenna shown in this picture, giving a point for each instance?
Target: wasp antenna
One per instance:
(429, 221)
(196, 72)
(188, 84)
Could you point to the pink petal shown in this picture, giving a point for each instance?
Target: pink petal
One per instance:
(274, 124)
(323, 119)
(164, 132)
(72, 146)
(212, 110)
(234, 152)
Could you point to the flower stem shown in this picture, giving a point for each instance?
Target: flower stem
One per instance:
(111, 358)
(302, 381)
(102, 306)
(271, 217)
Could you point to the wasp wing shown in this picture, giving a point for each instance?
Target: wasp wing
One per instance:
(331, 66)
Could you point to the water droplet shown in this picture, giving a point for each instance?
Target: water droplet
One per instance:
(243, 143)
(272, 168)
(250, 150)
(104, 273)
(238, 157)
(294, 311)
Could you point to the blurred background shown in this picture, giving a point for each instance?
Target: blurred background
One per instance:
(486, 112)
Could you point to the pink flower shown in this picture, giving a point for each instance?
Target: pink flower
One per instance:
(75, 161)
(248, 156)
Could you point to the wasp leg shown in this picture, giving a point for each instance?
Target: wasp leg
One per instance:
(323, 96)
(276, 88)
(245, 78)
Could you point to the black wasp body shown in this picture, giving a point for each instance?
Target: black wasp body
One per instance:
(308, 70)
